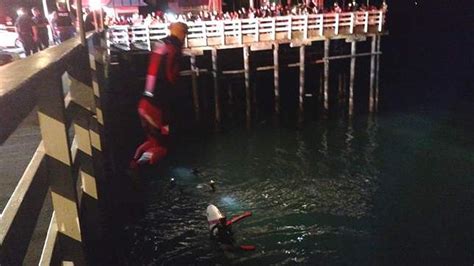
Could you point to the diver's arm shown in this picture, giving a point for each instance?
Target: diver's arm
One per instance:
(237, 218)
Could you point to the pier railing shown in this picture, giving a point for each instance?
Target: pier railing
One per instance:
(238, 32)
(62, 83)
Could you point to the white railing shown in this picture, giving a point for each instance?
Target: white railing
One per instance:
(236, 32)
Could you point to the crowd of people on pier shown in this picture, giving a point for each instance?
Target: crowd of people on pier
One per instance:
(271, 10)
(37, 31)
(32, 28)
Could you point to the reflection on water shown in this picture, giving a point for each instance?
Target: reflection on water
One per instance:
(315, 195)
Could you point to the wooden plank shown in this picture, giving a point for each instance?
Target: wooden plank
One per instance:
(18, 219)
(50, 250)
(21, 87)
(56, 143)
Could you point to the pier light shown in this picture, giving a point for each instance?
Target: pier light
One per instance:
(20, 12)
(95, 4)
(171, 17)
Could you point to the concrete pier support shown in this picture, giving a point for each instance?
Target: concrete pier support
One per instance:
(352, 77)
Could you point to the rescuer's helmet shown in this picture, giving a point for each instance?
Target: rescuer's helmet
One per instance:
(179, 30)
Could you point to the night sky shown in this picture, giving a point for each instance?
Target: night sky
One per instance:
(428, 52)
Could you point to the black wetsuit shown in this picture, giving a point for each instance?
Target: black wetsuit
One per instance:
(223, 234)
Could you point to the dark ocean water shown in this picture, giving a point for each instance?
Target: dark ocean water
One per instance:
(395, 188)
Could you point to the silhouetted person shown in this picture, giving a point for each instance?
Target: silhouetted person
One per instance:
(42, 26)
(62, 23)
(27, 32)
(89, 23)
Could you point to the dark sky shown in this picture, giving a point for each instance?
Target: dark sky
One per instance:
(428, 54)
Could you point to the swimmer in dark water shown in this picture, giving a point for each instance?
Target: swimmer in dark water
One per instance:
(212, 184)
(222, 232)
(221, 228)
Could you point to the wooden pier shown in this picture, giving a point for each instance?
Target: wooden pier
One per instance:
(70, 159)
(260, 34)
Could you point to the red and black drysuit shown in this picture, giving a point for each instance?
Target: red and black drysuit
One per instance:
(153, 108)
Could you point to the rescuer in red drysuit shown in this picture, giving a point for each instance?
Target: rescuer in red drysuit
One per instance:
(153, 108)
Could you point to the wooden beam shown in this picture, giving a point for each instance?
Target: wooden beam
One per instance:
(302, 84)
(51, 112)
(248, 96)
(194, 73)
(276, 78)
(326, 74)
(352, 78)
(20, 215)
(216, 86)
(377, 70)
(372, 76)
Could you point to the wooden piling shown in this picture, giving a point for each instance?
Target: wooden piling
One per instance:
(248, 95)
(194, 74)
(372, 75)
(321, 87)
(352, 77)
(230, 94)
(216, 86)
(340, 89)
(326, 75)
(377, 77)
(301, 89)
(276, 78)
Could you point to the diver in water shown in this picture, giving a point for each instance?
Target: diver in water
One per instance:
(222, 232)
(221, 228)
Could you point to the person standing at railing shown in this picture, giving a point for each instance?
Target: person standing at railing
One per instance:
(42, 25)
(27, 31)
(154, 106)
(336, 8)
(62, 23)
